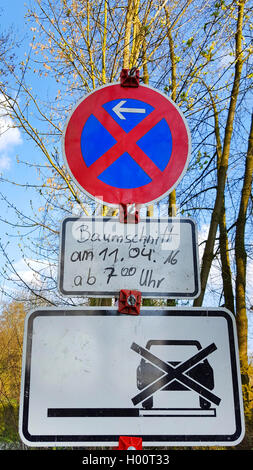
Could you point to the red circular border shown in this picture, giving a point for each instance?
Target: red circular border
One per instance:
(159, 186)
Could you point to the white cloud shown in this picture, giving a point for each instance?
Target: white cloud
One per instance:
(31, 271)
(10, 136)
(5, 162)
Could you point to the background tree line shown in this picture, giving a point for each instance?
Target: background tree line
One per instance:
(199, 53)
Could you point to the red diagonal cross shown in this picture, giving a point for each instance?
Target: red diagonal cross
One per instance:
(126, 142)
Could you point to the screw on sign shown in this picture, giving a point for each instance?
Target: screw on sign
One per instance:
(126, 145)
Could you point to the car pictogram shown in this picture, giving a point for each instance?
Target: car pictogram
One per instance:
(148, 373)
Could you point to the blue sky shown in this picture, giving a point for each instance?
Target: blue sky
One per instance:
(13, 12)
(14, 146)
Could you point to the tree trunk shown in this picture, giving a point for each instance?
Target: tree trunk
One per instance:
(128, 27)
(223, 240)
(172, 196)
(241, 256)
(222, 170)
(225, 263)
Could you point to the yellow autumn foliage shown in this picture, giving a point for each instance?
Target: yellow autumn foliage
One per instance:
(11, 345)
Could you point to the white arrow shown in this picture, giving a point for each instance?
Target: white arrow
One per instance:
(118, 109)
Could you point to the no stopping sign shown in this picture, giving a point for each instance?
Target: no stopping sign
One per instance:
(125, 145)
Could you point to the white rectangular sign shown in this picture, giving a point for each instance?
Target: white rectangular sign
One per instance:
(101, 256)
(170, 376)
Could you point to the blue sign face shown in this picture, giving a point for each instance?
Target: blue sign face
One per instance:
(125, 172)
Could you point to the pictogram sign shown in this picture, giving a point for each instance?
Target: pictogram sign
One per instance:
(170, 376)
(125, 146)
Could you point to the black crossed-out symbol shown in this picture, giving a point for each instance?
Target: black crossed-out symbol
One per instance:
(175, 373)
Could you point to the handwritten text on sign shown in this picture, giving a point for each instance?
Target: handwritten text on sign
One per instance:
(102, 256)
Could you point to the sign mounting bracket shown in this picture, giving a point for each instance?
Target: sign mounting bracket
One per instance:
(129, 302)
(130, 77)
(127, 216)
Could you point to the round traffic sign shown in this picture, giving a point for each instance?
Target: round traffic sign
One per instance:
(126, 145)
